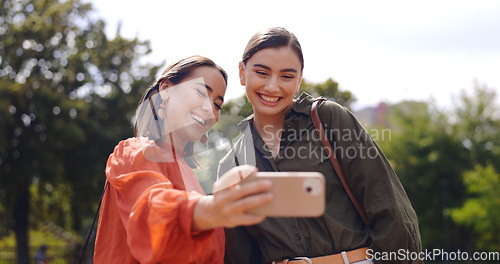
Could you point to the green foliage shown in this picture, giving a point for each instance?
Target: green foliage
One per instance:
(330, 90)
(477, 125)
(482, 209)
(424, 156)
(58, 248)
(431, 150)
(67, 96)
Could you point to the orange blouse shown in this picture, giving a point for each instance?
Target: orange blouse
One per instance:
(147, 210)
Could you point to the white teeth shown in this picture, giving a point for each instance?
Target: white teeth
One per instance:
(269, 99)
(198, 119)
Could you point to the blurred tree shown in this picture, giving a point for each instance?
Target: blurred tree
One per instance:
(477, 127)
(425, 157)
(67, 95)
(431, 150)
(482, 210)
(330, 90)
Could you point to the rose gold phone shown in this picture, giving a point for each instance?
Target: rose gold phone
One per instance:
(296, 194)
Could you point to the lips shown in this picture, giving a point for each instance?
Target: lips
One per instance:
(269, 99)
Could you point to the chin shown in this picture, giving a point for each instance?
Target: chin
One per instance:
(268, 112)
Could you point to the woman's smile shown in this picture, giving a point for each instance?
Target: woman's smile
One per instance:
(269, 98)
(198, 119)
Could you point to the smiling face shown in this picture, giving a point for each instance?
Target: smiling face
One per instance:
(272, 77)
(193, 106)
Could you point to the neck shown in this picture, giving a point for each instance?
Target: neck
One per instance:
(264, 121)
(269, 129)
(174, 141)
(264, 124)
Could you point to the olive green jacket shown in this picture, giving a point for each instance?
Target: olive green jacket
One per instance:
(393, 225)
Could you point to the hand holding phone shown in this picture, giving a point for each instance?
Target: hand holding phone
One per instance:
(296, 194)
(229, 207)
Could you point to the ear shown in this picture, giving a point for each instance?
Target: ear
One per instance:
(298, 85)
(164, 84)
(242, 73)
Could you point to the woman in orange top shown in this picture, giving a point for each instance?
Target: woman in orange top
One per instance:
(154, 209)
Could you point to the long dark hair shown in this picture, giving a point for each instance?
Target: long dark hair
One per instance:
(274, 37)
(146, 123)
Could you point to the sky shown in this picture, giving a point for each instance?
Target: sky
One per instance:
(381, 51)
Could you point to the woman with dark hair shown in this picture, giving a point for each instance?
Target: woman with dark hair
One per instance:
(281, 136)
(154, 209)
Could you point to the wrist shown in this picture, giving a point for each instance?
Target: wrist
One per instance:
(202, 214)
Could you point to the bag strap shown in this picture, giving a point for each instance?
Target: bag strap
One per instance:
(333, 158)
(93, 223)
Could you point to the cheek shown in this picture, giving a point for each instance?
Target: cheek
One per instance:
(252, 81)
(293, 87)
(252, 85)
(194, 101)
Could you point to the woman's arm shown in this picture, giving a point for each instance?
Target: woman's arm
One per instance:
(167, 225)
(156, 218)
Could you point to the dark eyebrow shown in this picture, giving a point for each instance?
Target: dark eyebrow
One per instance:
(211, 90)
(262, 66)
(267, 68)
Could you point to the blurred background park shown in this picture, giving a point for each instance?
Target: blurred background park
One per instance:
(70, 84)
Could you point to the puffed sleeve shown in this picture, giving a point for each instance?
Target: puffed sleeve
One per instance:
(157, 218)
(392, 221)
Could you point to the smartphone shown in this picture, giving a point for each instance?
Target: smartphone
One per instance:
(296, 194)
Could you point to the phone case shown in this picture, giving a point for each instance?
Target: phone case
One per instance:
(296, 194)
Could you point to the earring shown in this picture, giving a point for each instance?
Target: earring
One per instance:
(161, 111)
(204, 138)
(163, 94)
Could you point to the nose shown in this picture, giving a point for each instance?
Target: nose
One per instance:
(272, 85)
(208, 110)
(206, 105)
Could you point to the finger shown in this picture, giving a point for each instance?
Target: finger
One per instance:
(247, 219)
(248, 202)
(245, 189)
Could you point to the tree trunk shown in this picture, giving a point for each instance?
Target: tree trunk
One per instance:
(21, 211)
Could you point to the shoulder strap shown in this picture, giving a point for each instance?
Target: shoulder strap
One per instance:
(93, 223)
(333, 158)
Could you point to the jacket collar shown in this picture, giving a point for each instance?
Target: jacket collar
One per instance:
(303, 104)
